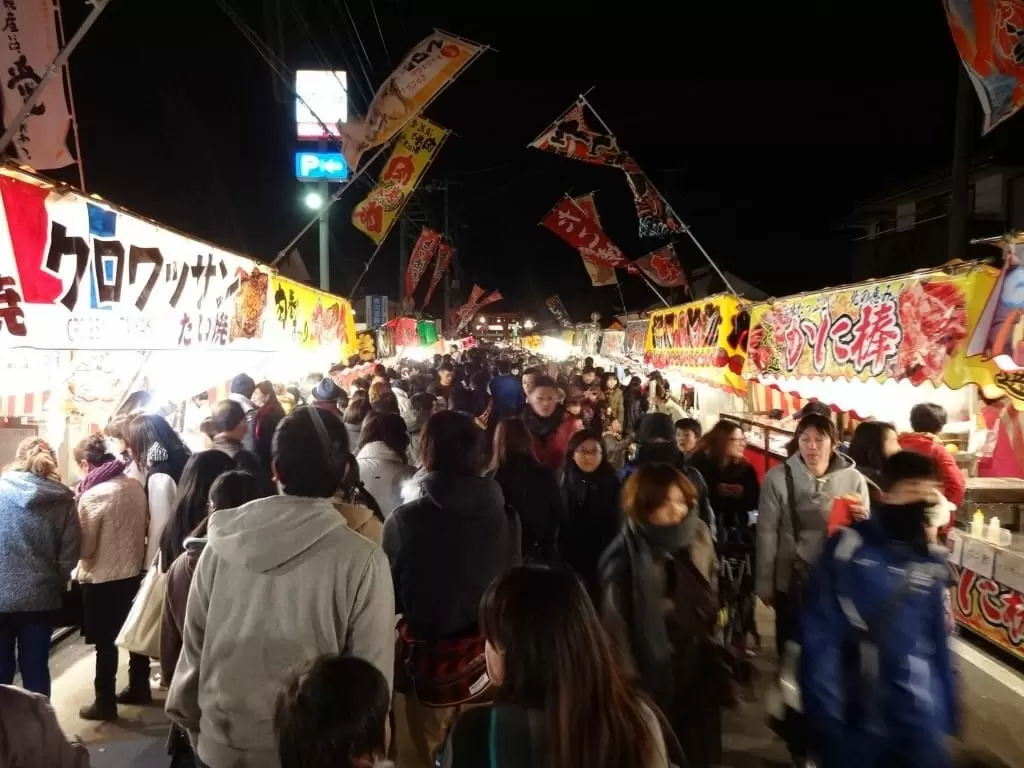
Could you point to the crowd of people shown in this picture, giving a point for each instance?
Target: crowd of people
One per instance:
(489, 559)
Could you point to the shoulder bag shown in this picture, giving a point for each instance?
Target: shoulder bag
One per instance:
(140, 632)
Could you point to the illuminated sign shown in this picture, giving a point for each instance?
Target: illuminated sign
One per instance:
(321, 97)
(320, 166)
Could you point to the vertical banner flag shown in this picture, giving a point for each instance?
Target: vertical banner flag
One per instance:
(600, 275)
(989, 34)
(420, 258)
(655, 219)
(412, 155)
(571, 136)
(441, 264)
(30, 32)
(424, 72)
(571, 223)
(557, 308)
(662, 267)
(464, 313)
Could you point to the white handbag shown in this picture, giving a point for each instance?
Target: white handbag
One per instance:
(141, 630)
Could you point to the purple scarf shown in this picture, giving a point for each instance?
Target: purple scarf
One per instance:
(100, 474)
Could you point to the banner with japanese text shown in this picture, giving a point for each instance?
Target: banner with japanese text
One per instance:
(310, 319)
(655, 220)
(558, 311)
(705, 339)
(600, 274)
(613, 344)
(419, 259)
(636, 336)
(662, 267)
(445, 253)
(573, 135)
(424, 72)
(587, 338)
(30, 46)
(571, 223)
(413, 153)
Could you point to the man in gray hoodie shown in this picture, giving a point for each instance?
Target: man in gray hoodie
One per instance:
(282, 581)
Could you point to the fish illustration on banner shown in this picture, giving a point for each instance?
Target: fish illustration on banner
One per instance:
(571, 223)
(78, 275)
(557, 309)
(600, 275)
(30, 31)
(654, 217)
(412, 155)
(989, 35)
(571, 135)
(445, 252)
(422, 253)
(424, 72)
(662, 267)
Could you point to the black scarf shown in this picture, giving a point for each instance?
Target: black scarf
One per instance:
(542, 427)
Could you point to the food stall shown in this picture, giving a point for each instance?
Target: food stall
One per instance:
(97, 302)
(702, 345)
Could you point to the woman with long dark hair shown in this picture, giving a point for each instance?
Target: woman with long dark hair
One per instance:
(634, 406)
(590, 497)
(562, 699)
(112, 516)
(269, 413)
(383, 458)
(530, 488)
(192, 505)
(160, 455)
(873, 442)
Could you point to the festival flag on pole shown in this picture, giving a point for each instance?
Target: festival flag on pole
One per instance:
(465, 313)
(420, 258)
(441, 264)
(31, 32)
(424, 72)
(557, 308)
(989, 34)
(571, 223)
(655, 219)
(571, 135)
(600, 275)
(661, 267)
(413, 153)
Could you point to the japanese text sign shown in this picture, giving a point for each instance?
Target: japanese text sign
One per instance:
(571, 223)
(707, 339)
(308, 318)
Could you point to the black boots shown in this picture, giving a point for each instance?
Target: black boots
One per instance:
(100, 710)
(137, 696)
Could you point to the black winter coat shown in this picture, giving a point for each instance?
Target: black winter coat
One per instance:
(592, 520)
(531, 489)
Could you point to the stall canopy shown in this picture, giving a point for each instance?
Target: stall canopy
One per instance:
(885, 337)
(113, 291)
(705, 340)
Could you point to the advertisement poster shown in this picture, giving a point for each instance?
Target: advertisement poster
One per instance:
(311, 319)
(613, 344)
(989, 608)
(636, 336)
(707, 339)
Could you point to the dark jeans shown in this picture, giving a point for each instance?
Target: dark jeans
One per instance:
(25, 647)
(106, 671)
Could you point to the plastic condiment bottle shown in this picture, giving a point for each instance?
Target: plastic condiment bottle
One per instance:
(993, 531)
(978, 525)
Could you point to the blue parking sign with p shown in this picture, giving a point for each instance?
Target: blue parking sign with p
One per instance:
(320, 166)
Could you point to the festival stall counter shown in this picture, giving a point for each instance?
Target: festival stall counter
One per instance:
(702, 345)
(96, 302)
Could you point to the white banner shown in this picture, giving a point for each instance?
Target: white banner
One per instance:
(28, 45)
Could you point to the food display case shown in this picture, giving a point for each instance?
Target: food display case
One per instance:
(767, 439)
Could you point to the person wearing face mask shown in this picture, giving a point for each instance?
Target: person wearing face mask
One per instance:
(550, 426)
(659, 603)
(876, 676)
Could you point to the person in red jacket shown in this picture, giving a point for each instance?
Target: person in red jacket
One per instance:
(550, 425)
(928, 420)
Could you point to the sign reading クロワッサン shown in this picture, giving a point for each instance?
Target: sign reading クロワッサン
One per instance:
(707, 339)
(75, 274)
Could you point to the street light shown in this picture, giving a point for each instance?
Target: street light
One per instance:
(313, 200)
(528, 324)
(481, 320)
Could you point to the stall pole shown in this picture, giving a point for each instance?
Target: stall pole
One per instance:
(54, 68)
(655, 290)
(325, 232)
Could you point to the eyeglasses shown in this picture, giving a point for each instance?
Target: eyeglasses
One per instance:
(588, 451)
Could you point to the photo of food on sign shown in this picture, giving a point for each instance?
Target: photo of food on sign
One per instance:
(250, 302)
(903, 329)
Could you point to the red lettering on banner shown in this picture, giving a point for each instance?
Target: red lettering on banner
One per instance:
(989, 603)
(399, 170)
(371, 216)
(963, 591)
(12, 317)
(817, 336)
(876, 337)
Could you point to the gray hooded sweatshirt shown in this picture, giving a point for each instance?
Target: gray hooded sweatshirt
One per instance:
(282, 581)
(777, 547)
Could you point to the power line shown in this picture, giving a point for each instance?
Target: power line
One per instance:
(325, 61)
(380, 31)
(359, 38)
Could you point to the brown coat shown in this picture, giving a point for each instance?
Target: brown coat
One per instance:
(30, 736)
(360, 519)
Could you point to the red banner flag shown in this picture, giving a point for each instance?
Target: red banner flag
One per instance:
(464, 313)
(655, 219)
(493, 297)
(571, 136)
(662, 267)
(600, 275)
(571, 223)
(441, 263)
(420, 258)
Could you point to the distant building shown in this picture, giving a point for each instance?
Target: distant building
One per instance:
(497, 326)
(907, 228)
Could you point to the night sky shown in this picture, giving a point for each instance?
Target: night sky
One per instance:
(762, 125)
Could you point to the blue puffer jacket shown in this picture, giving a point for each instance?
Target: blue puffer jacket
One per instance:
(39, 542)
(876, 691)
(509, 398)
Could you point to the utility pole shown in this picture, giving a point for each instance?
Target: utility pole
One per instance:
(403, 258)
(325, 232)
(960, 181)
(447, 275)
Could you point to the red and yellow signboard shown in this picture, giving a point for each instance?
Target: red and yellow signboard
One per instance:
(990, 609)
(311, 319)
(706, 339)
